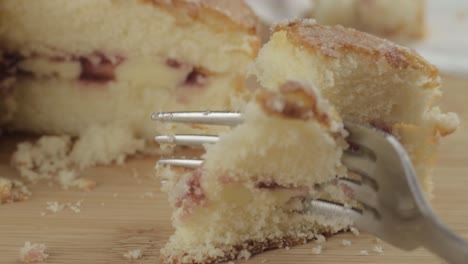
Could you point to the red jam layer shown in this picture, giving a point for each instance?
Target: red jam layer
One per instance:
(97, 68)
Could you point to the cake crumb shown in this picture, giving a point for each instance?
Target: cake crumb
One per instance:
(355, 231)
(346, 243)
(133, 254)
(244, 254)
(287, 248)
(13, 191)
(317, 250)
(115, 195)
(84, 184)
(231, 262)
(264, 260)
(378, 249)
(61, 159)
(32, 252)
(363, 253)
(76, 208)
(54, 207)
(320, 239)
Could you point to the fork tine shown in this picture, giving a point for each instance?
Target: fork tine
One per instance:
(363, 219)
(357, 163)
(187, 140)
(365, 136)
(331, 209)
(359, 191)
(185, 163)
(221, 118)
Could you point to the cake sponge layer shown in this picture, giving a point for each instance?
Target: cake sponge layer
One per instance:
(367, 79)
(77, 66)
(250, 192)
(199, 32)
(281, 129)
(70, 107)
(287, 152)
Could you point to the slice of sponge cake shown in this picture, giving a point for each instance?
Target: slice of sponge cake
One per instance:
(367, 79)
(84, 63)
(249, 194)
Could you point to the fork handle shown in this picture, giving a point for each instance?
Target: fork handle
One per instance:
(443, 242)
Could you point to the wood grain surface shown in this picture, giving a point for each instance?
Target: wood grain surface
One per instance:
(127, 211)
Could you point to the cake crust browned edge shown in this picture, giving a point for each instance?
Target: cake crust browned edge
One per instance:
(333, 40)
(235, 15)
(10, 193)
(254, 248)
(229, 15)
(298, 102)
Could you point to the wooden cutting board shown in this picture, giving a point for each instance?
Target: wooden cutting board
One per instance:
(127, 211)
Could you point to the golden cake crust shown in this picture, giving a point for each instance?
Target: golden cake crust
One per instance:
(333, 41)
(236, 14)
(12, 191)
(252, 247)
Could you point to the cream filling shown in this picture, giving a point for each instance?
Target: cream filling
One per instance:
(127, 27)
(238, 195)
(153, 72)
(237, 198)
(44, 67)
(143, 72)
(240, 213)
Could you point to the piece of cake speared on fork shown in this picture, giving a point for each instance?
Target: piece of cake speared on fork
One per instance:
(369, 80)
(248, 194)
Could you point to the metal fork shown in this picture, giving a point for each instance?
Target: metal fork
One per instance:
(394, 207)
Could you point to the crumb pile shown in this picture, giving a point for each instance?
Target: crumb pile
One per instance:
(33, 253)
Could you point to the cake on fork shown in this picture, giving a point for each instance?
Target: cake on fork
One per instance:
(368, 80)
(249, 194)
(289, 148)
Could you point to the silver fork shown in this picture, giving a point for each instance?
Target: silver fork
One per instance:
(395, 209)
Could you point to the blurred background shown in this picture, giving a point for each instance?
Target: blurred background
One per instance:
(436, 29)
